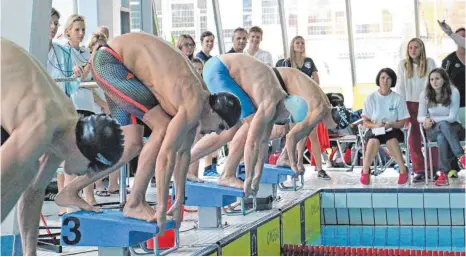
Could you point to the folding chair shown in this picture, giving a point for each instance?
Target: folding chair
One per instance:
(427, 145)
(378, 160)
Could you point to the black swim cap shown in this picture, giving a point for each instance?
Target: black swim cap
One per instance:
(100, 139)
(227, 106)
(341, 116)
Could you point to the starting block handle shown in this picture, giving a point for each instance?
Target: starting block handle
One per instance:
(294, 187)
(243, 210)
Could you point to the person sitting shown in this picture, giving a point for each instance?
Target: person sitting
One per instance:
(385, 113)
(438, 113)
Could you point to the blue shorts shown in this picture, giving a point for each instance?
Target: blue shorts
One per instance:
(218, 79)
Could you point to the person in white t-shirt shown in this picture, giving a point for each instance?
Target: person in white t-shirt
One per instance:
(255, 39)
(412, 78)
(438, 112)
(387, 111)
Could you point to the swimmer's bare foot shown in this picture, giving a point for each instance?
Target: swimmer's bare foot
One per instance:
(230, 182)
(193, 178)
(67, 198)
(140, 211)
(282, 162)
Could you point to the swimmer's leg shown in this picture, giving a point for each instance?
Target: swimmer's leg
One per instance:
(30, 203)
(212, 142)
(69, 197)
(194, 167)
(137, 207)
(235, 153)
(20, 157)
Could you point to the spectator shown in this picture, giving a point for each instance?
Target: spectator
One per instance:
(459, 40)
(412, 78)
(105, 31)
(299, 60)
(198, 64)
(255, 38)
(438, 112)
(454, 66)
(187, 45)
(240, 39)
(387, 111)
(207, 43)
(305, 64)
(83, 98)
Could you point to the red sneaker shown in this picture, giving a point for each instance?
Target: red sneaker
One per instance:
(403, 178)
(463, 161)
(365, 179)
(442, 180)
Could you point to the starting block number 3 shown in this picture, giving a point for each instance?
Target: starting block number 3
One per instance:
(73, 230)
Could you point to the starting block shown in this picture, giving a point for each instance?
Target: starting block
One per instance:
(110, 231)
(272, 178)
(211, 198)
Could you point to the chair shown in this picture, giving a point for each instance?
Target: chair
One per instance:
(378, 160)
(427, 145)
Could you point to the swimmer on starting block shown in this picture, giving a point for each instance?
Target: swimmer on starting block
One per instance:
(320, 110)
(40, 129)
(316, 110)
(263, 103)
(145, 78)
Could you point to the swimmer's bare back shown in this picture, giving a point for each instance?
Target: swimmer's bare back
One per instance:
(162, 68)
(298, 83)
(254, 77)
(29, 95)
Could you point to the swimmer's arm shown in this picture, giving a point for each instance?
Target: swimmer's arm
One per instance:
(255, 135)
(177, 132)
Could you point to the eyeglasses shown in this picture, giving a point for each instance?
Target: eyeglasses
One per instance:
(56, 23)
(188, 44)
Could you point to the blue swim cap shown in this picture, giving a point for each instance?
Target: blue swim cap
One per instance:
(297, 107)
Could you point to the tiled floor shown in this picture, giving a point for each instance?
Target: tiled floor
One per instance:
(194, 240)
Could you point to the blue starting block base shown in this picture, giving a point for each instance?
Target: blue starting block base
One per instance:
(110, 231)
(211, 198)
(271, 177)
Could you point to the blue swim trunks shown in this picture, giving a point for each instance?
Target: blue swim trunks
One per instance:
(218, 79)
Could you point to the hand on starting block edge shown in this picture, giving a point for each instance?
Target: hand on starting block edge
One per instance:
(107, 229)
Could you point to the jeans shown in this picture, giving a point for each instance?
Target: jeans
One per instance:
(448, 141)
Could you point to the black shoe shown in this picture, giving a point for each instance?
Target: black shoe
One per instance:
(420, 177)
(321, 174)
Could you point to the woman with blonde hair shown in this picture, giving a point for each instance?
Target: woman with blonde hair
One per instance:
(412, 78)
(83, 98)
(300, 61)
(187, 45)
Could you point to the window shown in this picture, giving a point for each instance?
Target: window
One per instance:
(323, 26)
(439, 45)
(182, 15)
(380, 37)
(270, 12)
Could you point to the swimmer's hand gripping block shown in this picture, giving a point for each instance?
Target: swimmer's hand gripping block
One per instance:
(107, 229)
(209, 194)
(271, 174)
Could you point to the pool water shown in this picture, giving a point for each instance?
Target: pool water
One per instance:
(445, 238)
